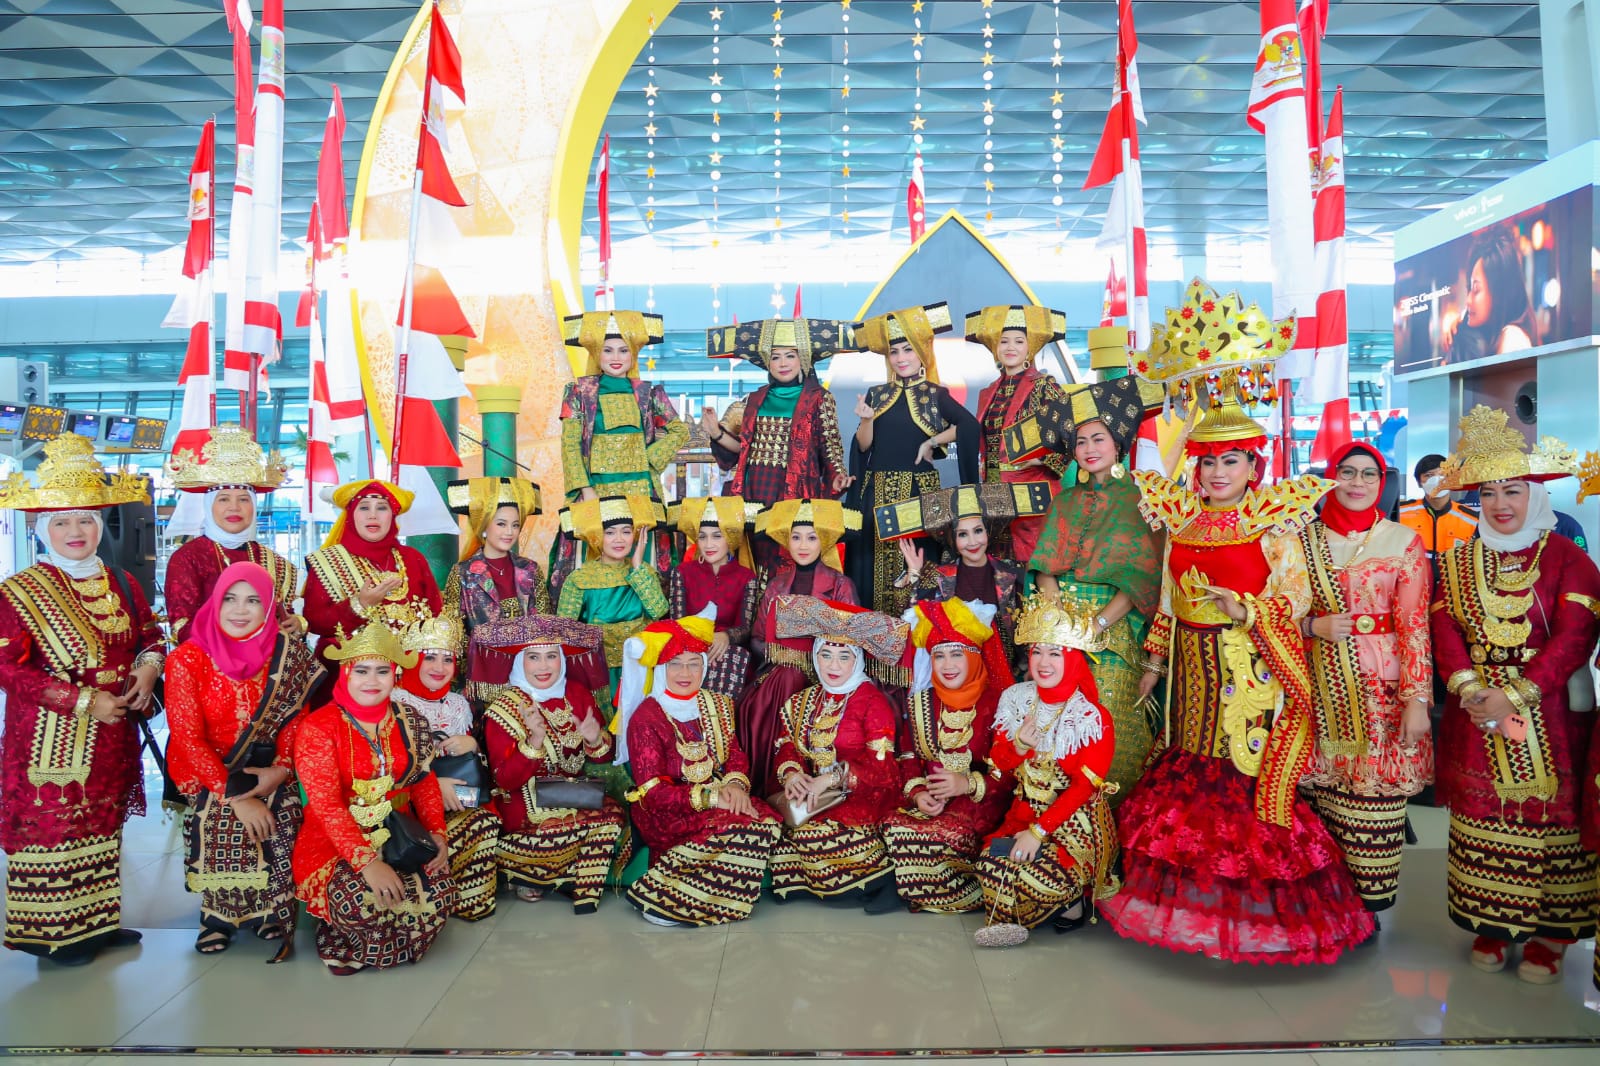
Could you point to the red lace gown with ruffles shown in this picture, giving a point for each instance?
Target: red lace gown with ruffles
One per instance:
(1202, 871)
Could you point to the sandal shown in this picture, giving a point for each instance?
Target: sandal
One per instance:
(1541, 961)
(529, 894)
(343, 971)
(1489, 954)
(270, 932)
(213, 941)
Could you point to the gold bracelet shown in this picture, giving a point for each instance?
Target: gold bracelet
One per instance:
(1470, 690)
(84, 702)
(979, 788)
(1514, 698)
(1532, 697)
(149, 657)
(912, 785)
(1459, 680)
(1038, 831)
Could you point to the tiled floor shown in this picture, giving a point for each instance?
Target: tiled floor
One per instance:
(795, 977)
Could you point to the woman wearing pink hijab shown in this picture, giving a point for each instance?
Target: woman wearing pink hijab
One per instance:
(234, 688)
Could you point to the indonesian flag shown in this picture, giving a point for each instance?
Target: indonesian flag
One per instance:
(321, 469)
(1330, 373)
(235, 359)
(194, 306)
(1116, 161)
(1313, 22)
(1333, 432)
(605, 298)
(1277, 110)
(263, 324)
(1115, 301)
(915, 213)
(347, 404)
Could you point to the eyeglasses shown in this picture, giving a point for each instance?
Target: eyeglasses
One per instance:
(1367, 475)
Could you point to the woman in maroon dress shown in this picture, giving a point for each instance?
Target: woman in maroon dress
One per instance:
(950, 804)
(1513, 620)
(709, 841)
(230, 470)
(838, 735)
(362, 572)
(809, 531)
(713, 576)
(80, 654)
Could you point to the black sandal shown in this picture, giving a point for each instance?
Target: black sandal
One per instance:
(270, 932)
(1066, 923)
(213, 941)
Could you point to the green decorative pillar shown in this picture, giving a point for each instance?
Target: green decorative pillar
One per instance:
(498, 406)
(441, 549)
(1108, 352)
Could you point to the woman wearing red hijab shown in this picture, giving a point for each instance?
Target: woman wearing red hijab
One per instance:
(364, 762)
(234, 689)
(949, 804)
(362, 572)
(1372, 668)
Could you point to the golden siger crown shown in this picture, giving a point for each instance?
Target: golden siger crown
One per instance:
(372, 641)
(1489, 448)
(1213, 345)
(230, 457)
(1589, 476)
(1044, 622)
(442, 632)
(72, 479)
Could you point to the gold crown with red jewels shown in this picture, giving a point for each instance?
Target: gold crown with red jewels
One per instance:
(1212, 346)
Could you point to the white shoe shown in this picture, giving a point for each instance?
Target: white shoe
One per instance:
(656, 919)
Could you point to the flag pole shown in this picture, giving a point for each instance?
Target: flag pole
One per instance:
(211, 261)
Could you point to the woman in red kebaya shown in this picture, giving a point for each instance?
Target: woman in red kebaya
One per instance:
(547, 727)
(234, 691)
(838, 736)
(1053, 854)
(950, 805)
(715, 576)
(709, 840)
(361, 759)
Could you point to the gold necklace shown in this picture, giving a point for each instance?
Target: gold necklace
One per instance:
(104, 607)
(955, 734)
(695, 755)
(1360, 548)
(1513, 578)
(822, 731)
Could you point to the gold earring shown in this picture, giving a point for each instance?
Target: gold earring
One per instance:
(1118, 471)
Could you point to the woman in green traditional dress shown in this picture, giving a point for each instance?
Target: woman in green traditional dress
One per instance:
(615, 590)
(1097, 554)
(617, 432)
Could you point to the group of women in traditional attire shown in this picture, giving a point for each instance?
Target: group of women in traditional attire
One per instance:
(1060, 690)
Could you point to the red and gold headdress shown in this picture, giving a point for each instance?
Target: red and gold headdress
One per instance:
(229, 457)
(1489, 448)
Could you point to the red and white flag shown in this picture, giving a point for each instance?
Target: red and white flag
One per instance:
(1330, 374)
(263, 323)
(235, 358)
(194, 307)
(605, 297)
(321, 468)
(1116, 161)
(1277, 110)
(1312, 19)
(796, 301)
(1115, 301)
(347, 404)
(916, 212)
(429, 309)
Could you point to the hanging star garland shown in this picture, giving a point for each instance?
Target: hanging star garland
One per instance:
(714, 157)
(988, 113)
(1056, 141)
(844, 96)
(651, 91)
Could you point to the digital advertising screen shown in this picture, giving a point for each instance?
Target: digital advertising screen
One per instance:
(11, 420)
(119, 430)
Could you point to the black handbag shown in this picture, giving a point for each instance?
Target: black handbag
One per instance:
(262, 754)
(410, 846)
(568, 793)
(467, 769)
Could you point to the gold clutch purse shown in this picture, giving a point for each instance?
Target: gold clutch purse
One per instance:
(796, 815)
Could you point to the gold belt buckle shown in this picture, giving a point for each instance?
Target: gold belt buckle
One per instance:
(1365, 624)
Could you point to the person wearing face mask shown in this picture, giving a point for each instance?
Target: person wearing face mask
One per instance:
(949, 804)
(838, 736)
(808, 532)
(618, 432)
(362, 573)
(79, 655)
(1054, 854)
(615, 589)
(1438, 518)
(782, 441)
(713, 576)
(493, 580)
(235, 689)
(230, 470)
(1014, 335)
(966, 521)
(1513, 622)
(546, 729)
(363, 759)
(1372, 667)
(905, 425)
(709, 839)
(1221, 856)
(472, 825)
(1098, 557)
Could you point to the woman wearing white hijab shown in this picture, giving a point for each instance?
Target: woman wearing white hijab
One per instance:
(79, 656)
(542, 728)
(1513, 621)
(709, 840)
(229, 471)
